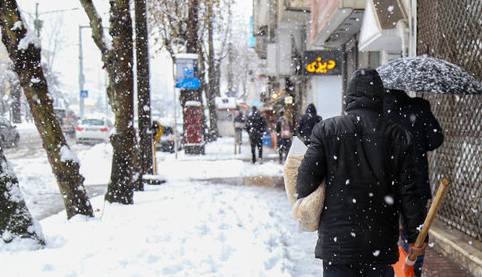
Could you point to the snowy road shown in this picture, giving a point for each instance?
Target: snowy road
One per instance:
(35, 176)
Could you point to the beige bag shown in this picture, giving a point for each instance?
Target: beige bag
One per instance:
(306, 210)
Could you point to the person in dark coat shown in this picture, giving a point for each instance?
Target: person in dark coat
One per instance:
(415, 115)
(367, 164)
(307, 122)
(256, 126)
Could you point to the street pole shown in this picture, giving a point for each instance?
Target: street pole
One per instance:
(37, 21)
(81, 75)
(174, 105)
(143, 87)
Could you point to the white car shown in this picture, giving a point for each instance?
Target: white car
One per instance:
(93, 130)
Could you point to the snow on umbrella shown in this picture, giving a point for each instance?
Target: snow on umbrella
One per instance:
(428, 74)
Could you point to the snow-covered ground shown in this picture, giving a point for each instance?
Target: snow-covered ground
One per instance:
(185, 227)
(178, 229)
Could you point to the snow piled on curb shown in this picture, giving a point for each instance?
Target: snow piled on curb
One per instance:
(178, 229)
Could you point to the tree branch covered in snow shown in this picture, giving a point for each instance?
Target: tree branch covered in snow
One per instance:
(96, 25)
(26, 58)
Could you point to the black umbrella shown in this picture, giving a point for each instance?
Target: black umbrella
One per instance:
(428, 74)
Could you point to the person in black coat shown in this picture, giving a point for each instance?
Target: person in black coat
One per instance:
(256, 126)
(367, 164)
(415, 115)
(307, 122)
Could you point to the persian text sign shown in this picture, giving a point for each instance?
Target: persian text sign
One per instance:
(323, 62)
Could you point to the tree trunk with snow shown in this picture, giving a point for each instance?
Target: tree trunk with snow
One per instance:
(24, 51)
(210, 91)
(118, 61)
(192, 46)
(143, 90)
(16, 102)
(16, 222)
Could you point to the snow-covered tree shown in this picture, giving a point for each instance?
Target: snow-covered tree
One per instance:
(24, 51)
(117, 57)
(16, 222)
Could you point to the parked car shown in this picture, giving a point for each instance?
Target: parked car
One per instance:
(92, 130)
(9, 136)
(67, 120)
(167, 140)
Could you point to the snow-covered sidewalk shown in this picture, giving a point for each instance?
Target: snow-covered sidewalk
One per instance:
(178, 229)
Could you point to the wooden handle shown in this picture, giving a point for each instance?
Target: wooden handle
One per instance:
(437, 200)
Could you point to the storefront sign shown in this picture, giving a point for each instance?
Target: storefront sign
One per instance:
(324, 62)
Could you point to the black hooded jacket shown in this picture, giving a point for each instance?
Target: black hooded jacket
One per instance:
(415, 115)
(255, 125)
(366, 163)
(308, 122)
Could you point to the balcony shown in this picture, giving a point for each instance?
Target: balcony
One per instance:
(335, 22)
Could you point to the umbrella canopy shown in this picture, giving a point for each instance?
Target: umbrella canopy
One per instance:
(428, 74)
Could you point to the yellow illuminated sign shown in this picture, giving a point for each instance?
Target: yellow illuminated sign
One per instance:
(320, 66)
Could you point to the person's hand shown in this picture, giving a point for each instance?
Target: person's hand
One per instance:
(413, 252)
(416, 251)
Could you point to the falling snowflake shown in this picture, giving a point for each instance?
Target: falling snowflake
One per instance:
(335, 157)
(389, 200)
(376, 253)
(334, 239)
(347, 182)
(354, 200)
(353, 234)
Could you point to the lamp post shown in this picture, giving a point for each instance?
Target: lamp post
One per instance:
(38, 23)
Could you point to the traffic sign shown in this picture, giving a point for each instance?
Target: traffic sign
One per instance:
(84, 93)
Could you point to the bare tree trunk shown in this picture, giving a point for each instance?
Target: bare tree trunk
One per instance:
(118, 62)
(211, 92)
(143, 85)
(120, 189)
(192, 47)
(143, 90)
(16, 222)
(15, 106)
(25, 55)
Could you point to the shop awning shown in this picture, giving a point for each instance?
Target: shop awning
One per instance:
(379, 28)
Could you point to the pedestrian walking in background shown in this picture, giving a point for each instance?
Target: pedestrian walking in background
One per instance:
(284, 133)
(307, 122)
(415, 115)
(366, 162)
(256, 126)
(239, 125)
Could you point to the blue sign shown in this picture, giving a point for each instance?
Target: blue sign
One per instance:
(252, 38)
(84, 93)
(188, 83)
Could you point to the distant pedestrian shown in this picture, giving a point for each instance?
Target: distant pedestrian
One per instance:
(307, 123)
(239, 125)
(256, 126)
(414, 114)
(366, 163)
(284, 132)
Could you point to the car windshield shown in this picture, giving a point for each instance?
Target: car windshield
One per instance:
(93, 122)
